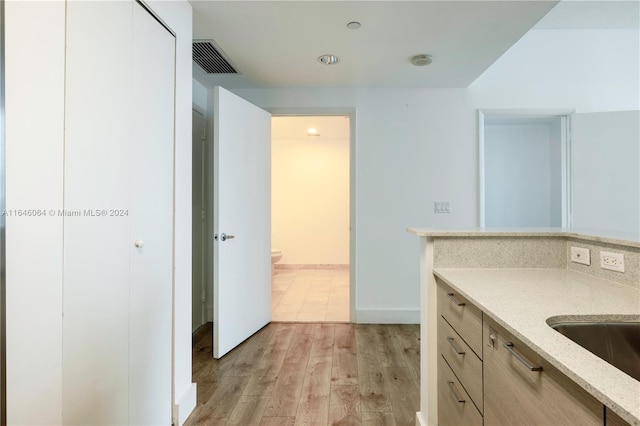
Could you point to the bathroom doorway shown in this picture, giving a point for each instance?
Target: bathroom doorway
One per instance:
(310, 218)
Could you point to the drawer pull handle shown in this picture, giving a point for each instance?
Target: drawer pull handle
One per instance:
(454, 393)
(526, 363)
(451, 341)
(454, 300)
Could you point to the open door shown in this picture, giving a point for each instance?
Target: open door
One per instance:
(242, 220)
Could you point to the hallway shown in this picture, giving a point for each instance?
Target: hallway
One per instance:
(311, 373)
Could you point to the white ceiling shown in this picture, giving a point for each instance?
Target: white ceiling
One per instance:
(277, 43)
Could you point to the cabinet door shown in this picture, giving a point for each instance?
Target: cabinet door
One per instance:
(515, 395)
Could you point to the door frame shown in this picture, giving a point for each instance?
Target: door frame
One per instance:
(3, 327)
(351, 113)
(565, 116)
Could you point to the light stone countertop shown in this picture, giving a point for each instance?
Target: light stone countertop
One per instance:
(625, 239)
(521, 300)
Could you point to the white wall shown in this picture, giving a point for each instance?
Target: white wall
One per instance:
(589, 70)
(561, 69)
(199, 96)
(310, 190)
(35, 130)
(606, 171)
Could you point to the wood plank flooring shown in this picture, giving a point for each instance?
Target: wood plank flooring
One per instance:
(310, 374)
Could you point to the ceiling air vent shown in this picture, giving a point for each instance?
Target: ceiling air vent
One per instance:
(208, 56)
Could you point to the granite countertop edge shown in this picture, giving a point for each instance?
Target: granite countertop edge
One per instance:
(615, 389)
(624, 239)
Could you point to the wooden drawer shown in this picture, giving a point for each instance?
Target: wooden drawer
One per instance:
(454, 404)
(514, 394)
(464, 317)
(463, 361)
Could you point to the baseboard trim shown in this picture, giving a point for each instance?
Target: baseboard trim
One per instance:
(310, 266)
(186, 404)
(420, 420)
(388, 316)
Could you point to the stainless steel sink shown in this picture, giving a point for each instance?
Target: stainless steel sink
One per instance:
(618, 343)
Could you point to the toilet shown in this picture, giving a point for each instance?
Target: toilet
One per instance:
(276, 255)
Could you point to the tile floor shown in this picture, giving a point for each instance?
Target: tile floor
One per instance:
(310, 295)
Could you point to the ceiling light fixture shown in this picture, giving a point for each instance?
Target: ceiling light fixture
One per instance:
(354, 25)
(328, 59)
(421, 60)
(312, 132)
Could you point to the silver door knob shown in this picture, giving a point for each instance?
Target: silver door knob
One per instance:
(138, 243)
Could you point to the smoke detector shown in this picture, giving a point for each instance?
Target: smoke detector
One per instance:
(328, 59)
(421, 60)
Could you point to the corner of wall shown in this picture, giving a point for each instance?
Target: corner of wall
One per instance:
(185, 405)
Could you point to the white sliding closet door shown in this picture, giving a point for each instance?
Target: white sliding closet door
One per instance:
(98, 120)
(151, 221)
(116, 366)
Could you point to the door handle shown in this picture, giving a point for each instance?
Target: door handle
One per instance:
(223, 237)
(509, 347)
(456, 349)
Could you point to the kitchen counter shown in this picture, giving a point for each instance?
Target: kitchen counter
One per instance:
(522, 300)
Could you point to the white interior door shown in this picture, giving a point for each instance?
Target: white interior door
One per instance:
(199, 228)
(151, 232)
(242, 220)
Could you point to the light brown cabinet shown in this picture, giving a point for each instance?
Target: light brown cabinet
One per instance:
(486, 376)
(520, 387)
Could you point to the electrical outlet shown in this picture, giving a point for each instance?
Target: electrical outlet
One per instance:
(442, 206)
(612, 261)
(581, 255)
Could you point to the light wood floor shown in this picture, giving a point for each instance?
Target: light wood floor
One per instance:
(310, 374)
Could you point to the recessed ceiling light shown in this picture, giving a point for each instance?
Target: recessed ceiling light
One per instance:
(354, 25)
(312, 132)
(421, 60)
(328, 59)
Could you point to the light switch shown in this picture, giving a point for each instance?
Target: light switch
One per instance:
(442, 206)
